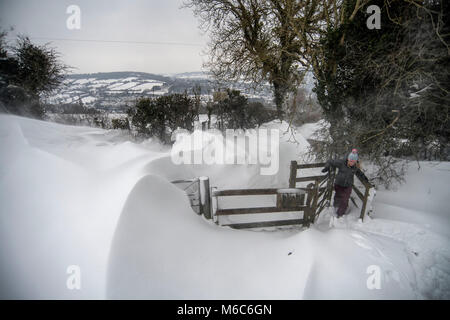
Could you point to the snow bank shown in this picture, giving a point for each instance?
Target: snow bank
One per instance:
(428, 182)
(61, 192)
(88, 197)
(160, 252)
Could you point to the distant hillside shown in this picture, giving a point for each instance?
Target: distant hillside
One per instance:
(119, 75)
(116, 91)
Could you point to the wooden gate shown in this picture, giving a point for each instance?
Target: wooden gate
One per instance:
(287, 200)
(322, 187)
(308, 201)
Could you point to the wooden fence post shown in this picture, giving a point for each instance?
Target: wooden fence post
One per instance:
(214, 205)
(363, 210)
(310, 198)
(332, 175)
(310, 216)
(293, 174)
(315, 199)
(205, 197)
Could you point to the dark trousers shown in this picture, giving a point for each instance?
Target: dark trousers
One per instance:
(341, 198)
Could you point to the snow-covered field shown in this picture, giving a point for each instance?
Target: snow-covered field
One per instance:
(90, 198)
(88, 89)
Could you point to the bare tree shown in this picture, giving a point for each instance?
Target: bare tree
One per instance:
(252, 40)
(269, 40)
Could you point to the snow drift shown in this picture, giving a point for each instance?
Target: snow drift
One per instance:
(89, 197)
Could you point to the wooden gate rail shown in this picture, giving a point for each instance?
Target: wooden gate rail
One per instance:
(288, 200)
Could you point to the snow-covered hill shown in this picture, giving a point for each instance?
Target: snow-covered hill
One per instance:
(112, 91)
(90, 198)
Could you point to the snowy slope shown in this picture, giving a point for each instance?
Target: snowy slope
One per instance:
(160, 252)
(61, 192)
(89, 197)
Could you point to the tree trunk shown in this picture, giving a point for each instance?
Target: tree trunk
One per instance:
(279, 92)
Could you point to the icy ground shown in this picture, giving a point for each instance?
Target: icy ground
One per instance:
(91, 198)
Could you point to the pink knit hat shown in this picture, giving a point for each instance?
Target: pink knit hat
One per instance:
(353, 156)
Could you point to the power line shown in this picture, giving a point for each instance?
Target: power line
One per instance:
(118, 41)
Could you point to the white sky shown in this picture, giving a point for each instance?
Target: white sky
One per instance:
(179, 46)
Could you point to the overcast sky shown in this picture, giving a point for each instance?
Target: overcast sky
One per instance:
(174, 42)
